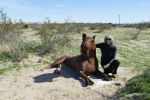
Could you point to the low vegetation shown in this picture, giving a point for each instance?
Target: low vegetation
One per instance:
(53, 37)
(137, 88)
(10, 39)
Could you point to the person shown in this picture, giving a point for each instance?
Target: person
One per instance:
(108, 56)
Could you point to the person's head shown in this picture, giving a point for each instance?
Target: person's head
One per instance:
(108, 39)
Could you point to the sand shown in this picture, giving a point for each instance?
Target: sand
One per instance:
(34, 84)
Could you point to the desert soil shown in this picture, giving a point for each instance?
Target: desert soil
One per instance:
(36, 84)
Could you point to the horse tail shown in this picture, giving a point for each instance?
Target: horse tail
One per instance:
(57, 62)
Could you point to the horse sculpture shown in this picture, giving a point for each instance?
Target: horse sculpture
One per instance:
(84, 64)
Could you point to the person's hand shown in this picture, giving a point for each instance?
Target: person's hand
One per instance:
(106, 66)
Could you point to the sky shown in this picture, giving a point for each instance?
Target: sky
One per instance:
(87, 11)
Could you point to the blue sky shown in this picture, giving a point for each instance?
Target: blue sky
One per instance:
(131, 11)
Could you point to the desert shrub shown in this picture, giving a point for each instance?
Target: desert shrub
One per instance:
(134, 35)
(10, 36)
(31, 47)
(4, 56)
(139, 86)
(142, 26)
(53, 37)
(100, 27)
(73, 27)
(92, 27)
(35, 26)
(70, 28)
(79, 27)
(14, 66)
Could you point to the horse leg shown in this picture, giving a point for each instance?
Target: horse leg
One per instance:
(103, 76)
(88, 81)
(57, 64)
(58, 61)
(99, 73)
(57, 70)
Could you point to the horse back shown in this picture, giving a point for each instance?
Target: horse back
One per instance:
(75, 62)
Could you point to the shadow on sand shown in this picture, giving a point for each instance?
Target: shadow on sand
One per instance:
(65, 72)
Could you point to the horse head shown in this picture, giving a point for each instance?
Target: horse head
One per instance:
(88, 45)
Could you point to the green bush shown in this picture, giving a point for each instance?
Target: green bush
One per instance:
(4, 56)
(14, 66)
(138, 85)
(10, 36)
(53, 37)
(100, 27)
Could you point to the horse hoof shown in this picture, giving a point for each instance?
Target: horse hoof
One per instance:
(57, 71)
(91, 83)
(85, 85)
(106, 79)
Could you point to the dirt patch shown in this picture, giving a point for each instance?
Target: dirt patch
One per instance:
(33, 84)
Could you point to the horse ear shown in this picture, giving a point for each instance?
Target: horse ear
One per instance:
(94, 37)
(83, 36)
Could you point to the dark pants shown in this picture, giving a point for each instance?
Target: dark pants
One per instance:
(112, 68)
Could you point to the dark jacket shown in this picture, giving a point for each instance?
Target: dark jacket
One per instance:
(108, 52)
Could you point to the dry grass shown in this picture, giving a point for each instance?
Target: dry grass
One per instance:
(10, 37)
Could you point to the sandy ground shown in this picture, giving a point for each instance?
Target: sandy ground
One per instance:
(34, 84)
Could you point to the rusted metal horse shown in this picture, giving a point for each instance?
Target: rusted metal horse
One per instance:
(84, 64)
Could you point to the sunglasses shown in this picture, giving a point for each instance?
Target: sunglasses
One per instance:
(108, 39)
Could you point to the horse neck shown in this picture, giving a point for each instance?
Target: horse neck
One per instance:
(92, 53)
(91, 57)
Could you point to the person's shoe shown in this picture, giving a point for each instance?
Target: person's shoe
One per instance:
(106, 78)
(114, 75)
